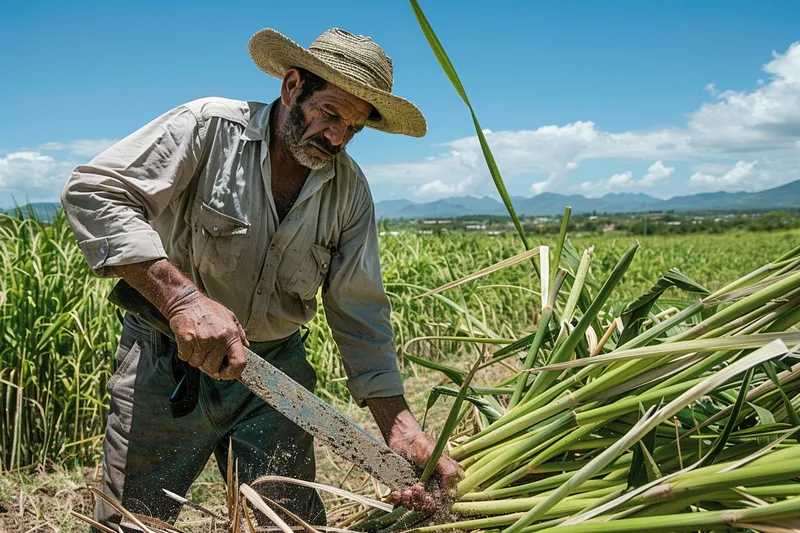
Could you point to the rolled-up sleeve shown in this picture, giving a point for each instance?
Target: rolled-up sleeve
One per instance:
(110, 201)
(358, 310)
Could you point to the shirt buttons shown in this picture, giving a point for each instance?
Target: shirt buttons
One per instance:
(324, 265)
(272, 246)
(259, 290)
(215, 229)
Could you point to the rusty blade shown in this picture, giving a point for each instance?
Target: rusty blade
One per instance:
(345, 438)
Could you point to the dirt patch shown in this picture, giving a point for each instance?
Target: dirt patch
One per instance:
(41, 501)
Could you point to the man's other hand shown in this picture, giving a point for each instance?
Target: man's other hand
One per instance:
(418, 447)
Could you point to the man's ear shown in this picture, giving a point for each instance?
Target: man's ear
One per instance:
(290, 87)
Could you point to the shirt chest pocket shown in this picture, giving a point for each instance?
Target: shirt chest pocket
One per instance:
(217, 240)
(312, 271)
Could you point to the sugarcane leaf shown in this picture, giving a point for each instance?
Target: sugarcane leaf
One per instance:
(483, 405)
(722, 440)
(455, 375)
(450, 71)
(637, 474)
(765, 418)
(433, 397)
(485, 271)
(560, 246)
(636, 312)
(791, 413)
(451, 422)
(762, 429)
(764, 415)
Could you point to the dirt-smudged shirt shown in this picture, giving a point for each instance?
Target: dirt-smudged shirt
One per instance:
(194, 186)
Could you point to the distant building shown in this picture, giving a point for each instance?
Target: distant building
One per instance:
(609, 227)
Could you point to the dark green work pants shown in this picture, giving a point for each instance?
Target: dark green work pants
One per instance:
(146, 449)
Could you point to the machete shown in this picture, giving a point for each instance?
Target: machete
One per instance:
(295, 402)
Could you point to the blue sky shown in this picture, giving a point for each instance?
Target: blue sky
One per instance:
(665, 98)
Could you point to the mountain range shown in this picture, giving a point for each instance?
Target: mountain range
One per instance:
(548, 203)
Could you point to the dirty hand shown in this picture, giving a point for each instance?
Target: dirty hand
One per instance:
(418, 447)
(208, 335)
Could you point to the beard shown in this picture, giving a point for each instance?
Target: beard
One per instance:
(303, 149)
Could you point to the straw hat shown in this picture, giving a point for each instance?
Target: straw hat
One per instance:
(352, 62)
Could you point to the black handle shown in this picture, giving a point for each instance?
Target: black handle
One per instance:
(184, 398)
(129, 299)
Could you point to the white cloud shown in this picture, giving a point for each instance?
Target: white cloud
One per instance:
(767, 118)
(744, 175)
(763, 122)
(656, 174)
(438, 189)
(32, 175)
(624, 181)
(79, 147)
(36, 175)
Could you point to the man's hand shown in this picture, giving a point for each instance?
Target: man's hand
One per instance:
(208, 335)
(402, 433)
(417, 447)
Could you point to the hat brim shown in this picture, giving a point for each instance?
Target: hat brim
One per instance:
(275, 54)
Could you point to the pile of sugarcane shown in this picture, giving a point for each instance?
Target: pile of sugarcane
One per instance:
(676, 417)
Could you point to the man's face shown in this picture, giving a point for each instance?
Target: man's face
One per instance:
(316, 130)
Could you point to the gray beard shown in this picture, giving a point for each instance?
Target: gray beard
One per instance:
(291, 132)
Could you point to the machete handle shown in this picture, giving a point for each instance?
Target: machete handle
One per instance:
(130, 300)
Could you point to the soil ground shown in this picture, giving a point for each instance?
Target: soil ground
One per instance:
(41, 500)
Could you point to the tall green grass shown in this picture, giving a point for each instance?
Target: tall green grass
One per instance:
(57, 338)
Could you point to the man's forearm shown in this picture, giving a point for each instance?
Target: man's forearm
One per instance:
(393, 416)
(159, 281)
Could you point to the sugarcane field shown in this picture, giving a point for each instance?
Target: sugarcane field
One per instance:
(562, 294)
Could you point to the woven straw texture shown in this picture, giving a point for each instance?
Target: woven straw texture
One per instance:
(352, 62)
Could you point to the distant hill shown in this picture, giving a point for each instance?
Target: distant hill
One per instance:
(546, 204)
(44, 211)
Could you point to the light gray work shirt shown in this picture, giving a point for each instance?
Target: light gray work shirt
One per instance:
(194, 186)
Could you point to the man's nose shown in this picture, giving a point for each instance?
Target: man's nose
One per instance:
(335, 134)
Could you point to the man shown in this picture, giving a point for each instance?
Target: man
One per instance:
(228, 216)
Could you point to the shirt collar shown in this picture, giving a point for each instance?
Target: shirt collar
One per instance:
(258, 127)
(258, 130)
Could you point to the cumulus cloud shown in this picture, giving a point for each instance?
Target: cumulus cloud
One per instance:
(767, 118)
(656, 174)
(763, 122)
(40, 174)
(80, 147)
(744, 175)
(33, 175)
(438, 189)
